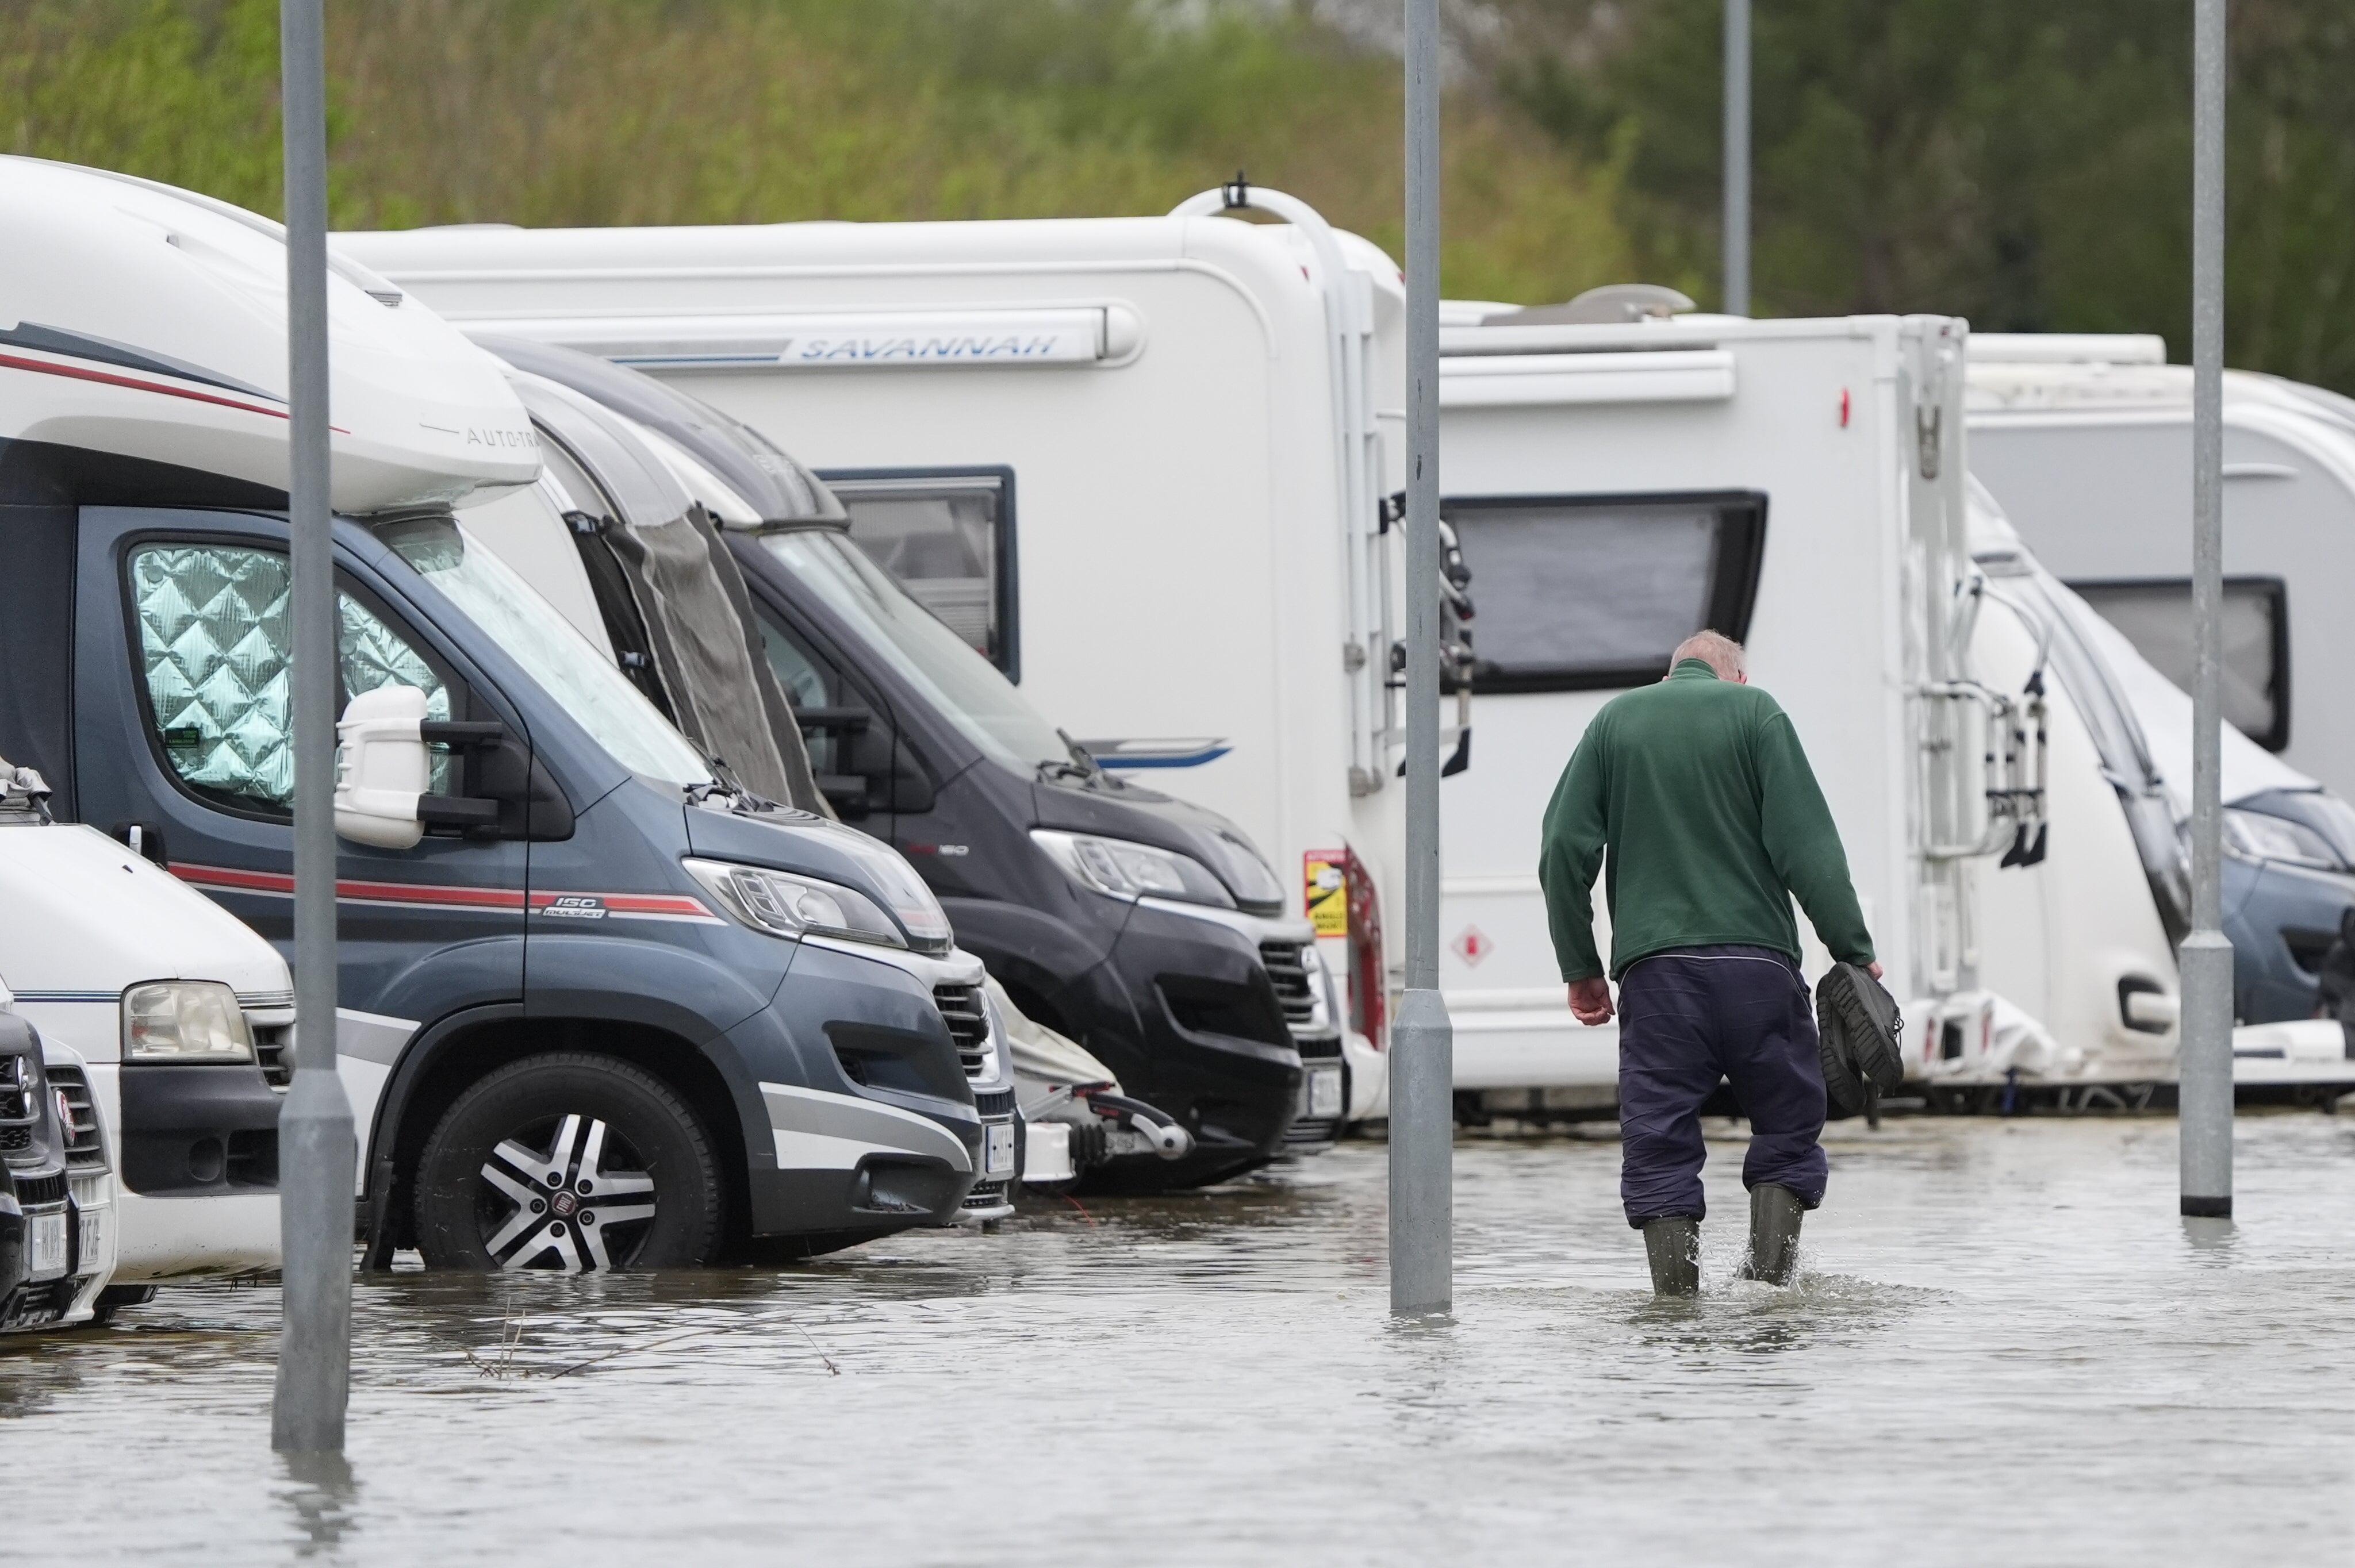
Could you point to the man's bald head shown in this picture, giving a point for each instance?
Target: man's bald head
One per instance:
(1714, 648)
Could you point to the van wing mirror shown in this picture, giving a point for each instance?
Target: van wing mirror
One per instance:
(383, 769)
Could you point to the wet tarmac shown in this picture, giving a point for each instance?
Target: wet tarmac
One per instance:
(2006, 1347)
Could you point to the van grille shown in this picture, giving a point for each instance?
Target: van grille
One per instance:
(20, 1110)
(1294, 990)
(273, 1048)
(968, 1021)
(85, 1151)
(997, 1102)
(34, 1191)
(986, 1195)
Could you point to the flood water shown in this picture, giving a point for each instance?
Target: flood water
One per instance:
(2006, 1347)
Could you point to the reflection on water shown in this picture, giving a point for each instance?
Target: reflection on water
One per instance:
(2005, 1347)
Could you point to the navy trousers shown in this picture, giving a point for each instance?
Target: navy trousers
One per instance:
(1688, 1017)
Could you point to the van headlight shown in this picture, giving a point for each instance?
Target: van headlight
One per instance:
(184, 1021)
(2257, 835)
(1126, 869)
(783, 903)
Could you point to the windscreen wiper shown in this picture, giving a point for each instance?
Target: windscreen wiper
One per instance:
(1078, 765)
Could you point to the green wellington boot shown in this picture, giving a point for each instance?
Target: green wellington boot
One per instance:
(1673, 1247)
(1775, 1216)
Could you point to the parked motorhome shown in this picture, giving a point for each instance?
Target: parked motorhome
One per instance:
(2086, 442)
(601, 1007)
(1177, 432)
(668, 614)
(922, 743)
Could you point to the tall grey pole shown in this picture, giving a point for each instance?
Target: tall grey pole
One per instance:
(1737, 158)
(2206, 1062)
(316, 1156)
(1423, 1044)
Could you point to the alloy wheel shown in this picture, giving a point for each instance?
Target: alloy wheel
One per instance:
(580, 1202)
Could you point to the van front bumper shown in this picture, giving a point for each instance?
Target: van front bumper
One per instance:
(182, 1228)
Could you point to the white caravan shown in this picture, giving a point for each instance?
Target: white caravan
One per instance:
(1140, 462)
(2284, 888)
(2087, 442)
(1797, 484)
(141, 344)
(1801, 484)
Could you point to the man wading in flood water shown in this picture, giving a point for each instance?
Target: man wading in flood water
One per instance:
(1698, 790)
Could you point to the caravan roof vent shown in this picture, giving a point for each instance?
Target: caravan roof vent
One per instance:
(1608, 305)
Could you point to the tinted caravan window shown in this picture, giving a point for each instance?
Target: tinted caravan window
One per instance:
(948, 537)
(1583, 593)
(2156, 616)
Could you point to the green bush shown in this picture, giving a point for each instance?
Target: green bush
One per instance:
(664, 112)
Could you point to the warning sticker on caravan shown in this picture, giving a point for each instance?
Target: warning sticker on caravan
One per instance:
(1325, 891)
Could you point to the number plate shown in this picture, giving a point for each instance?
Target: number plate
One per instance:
(94, 1238)
(1323, 1092)
(999, 1160)
(48, 1245)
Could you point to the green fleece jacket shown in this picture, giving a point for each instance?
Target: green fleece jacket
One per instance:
(1713, 821)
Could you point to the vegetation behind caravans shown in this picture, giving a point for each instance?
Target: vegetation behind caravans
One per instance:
(644, 111)
(2021, 163)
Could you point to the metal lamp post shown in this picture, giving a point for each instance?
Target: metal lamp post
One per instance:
(316, 1151)
(2205, 1063)
(1423, 1044)
(1737, 158)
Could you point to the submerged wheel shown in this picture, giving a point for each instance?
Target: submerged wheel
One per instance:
(569, 1162)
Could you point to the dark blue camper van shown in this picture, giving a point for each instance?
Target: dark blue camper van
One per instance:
(602, 1008)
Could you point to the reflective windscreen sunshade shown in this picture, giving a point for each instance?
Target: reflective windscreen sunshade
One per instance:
(214, 636)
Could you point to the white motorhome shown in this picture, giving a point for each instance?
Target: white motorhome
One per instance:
(2086, 442)
(1140, 462)
(141, 330)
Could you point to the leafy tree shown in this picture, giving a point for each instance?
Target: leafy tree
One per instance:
(2023, 164)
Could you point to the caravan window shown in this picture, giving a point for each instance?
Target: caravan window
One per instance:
(2155, 613)
(214, 629)
(1585, 593)
(948, 537)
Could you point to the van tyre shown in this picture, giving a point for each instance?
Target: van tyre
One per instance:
(569, 1163)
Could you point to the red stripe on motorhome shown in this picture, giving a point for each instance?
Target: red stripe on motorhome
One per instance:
(239, 880)
(107, 378)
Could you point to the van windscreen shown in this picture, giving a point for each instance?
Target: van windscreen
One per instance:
(962, 683)
(531, 631)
